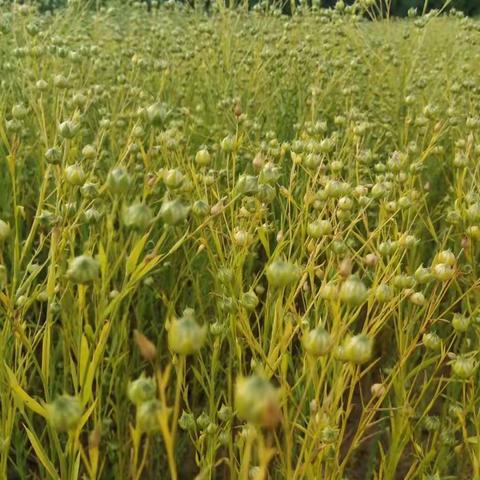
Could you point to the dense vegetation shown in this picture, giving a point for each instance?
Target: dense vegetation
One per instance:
(239, 245)
(389, 7)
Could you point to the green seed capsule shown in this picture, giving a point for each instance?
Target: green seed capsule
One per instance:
(156, 113)
(249, 300)
(432, 341)
(358, 349)
(339, 247)
(336, 189)
(53, 155)
(460, 323)
(203, 158)
(200, 209)
(173, 178)
(443, 272)
(423, 275)
(83, 269)
(257, 401)
(353, 291)
(173, 212)
(464, 367)
(328, 291)
(4, 230)
(417, 298)
(225, 438)
(137, 216)
(68, 129)
(148, 416)
(473, 212)
(383, 293)
(269, 174)
(74, 175)
(266, 193)
(229, 144)
(225, 413)
(142, 389)
(317, 342)
(187, 421)
(60, 81)
(64, 413)
(185, 335)
(281, 273)
(19, 111)
(319, 228)
(446, 257)
(92, 216)
(89, 190)
(41, 85)
(403, 281)
(118, 181)
(246, 184)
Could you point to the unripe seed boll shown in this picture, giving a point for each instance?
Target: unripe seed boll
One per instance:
(142, 389)
(185, 335)
(358, 349)
(118, 181)
(257, 401)
(64, 413)
(4, 230)
(75, 175)
(353, 292)
(281, 273)
(317, 342)
(83, 269)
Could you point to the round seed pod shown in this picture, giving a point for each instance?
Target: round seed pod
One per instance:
(156, 113)
(148, 413)
(317, 342)
(443, 272)
(383, 293)
(68, 129)
(446, 257)
(83, 269)
(225, 413)
(19, 111)
(118, 181)
(173, 178)
(464, 367)
(185, 335)
(187, 421)
(74, 175)
(358, 349)
(281, 273)
(203, 158)
(4, 230)
(460, 323)
(417, 298)
(64, 413)
(142, 389)
(137, 216)
(173, 212)
(328, 291)
(319, 228)
(257, 401)
(423, 275)
(89, 190)
(249, 300)
(432, 341)
(53, 155)
(353, 292)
